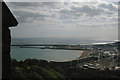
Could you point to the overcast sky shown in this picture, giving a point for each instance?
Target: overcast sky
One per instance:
(65, 20)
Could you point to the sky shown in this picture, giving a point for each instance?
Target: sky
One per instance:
(83, 20)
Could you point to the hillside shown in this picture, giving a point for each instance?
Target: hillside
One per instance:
(31, 69)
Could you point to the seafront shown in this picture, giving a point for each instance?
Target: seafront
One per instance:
(100, 57)
(93, 56)
(85, 53)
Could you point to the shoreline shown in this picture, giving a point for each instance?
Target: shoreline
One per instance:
(85, 53)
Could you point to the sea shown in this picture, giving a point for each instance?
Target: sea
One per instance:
(20, 54)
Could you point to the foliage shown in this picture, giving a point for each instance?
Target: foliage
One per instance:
(33, 69)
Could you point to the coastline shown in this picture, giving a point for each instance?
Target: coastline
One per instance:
(85, 53)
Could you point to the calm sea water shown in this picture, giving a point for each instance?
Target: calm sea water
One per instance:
(45, 54)
(55, 41)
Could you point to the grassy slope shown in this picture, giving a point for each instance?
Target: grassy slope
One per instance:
(32, 69)
(29, 70)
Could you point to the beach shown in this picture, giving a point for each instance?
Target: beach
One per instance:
(85, 53)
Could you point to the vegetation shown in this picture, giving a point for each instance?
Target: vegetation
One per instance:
(33, 69)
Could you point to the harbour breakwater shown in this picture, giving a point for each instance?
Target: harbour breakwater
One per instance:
(53, 46)
(84, 57)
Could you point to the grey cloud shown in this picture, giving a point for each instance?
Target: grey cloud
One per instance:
(43, 20)
(109, 6)
(97, 25)
(114, 19)
(84, 10)
(25, 10)
(36, 4)
(24, 15)
(90, 10)
(50, 4)
(65, 11)
(24, 4)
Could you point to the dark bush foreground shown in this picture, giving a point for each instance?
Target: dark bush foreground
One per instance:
(33, 69)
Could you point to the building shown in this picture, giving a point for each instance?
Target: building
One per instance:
(8, 20)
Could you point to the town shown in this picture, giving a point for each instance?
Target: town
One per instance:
(101, 57)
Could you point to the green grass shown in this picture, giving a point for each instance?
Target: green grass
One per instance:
(49, 73)
(37, 72)
(18, 68)
(28, 68)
